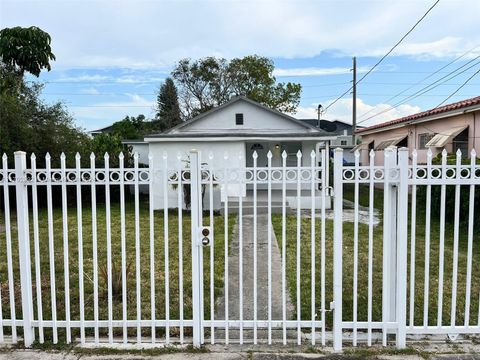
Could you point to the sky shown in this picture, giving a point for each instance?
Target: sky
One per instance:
(112, 55)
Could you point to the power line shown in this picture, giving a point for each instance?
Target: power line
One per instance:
(425, 78)
(154, 93)
(460, 87)
(380, 94)
(384, 56)
(422, 91)
(304, 97)
(111, 106)
(405, 83)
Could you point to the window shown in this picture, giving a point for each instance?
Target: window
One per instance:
(423, 139)
(343, 142)
(371, 145)
(239, 119)
(460, 142)
(256, 147)
(403, 142)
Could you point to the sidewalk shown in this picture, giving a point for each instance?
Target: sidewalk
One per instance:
(41, 355)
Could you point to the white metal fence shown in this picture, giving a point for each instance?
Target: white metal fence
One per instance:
(87, 257)
(412, 236)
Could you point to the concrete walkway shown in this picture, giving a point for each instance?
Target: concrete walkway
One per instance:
(248, 284)
(349, 214)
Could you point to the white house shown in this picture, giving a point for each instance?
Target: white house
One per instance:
(237, 129)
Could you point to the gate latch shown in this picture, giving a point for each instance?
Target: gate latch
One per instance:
(330, 191)
(205, 236)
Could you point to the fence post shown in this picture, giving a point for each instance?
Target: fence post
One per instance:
(389, 241)
(402, 222)
(24, 247)
(197, 266)
(337, 248)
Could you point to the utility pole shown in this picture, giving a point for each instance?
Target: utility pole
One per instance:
(319, 113)
(354, 100)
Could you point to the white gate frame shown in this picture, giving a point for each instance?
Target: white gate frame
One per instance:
(24, 247)
(394, 311)
(197, 248)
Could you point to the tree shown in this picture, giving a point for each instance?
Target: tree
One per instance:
(26, 49)
(130, 127)
(26, 122)
(168, 109)
(210, 82)
(252, 76)
(111, 144)
(29, 124)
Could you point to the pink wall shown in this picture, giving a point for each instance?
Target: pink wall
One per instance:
(434, 126)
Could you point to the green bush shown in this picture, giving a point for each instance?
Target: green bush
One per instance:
(450, 196)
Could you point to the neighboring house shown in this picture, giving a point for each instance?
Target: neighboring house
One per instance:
(451, 127)
(343, 136)
(105, 130)
(236, 129)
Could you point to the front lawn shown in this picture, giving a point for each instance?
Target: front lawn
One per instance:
(174, 276)
(305, 277)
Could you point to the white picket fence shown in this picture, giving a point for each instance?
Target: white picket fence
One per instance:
(107, 267)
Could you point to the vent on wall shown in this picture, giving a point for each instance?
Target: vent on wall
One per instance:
(239, 119)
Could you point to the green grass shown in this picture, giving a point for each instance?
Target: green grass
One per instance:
(159, 270)
(305, 278)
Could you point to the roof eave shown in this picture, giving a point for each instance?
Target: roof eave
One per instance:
(307, 137)
(420, 120)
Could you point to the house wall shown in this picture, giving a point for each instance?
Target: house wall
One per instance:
(142, 150)
(182, 149)
(434, 127)
(254, 118)
(346, 143)
(342, 140)
(236, 159)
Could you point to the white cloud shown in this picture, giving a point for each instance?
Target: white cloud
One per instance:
(306, 112)
(83, 78)
(448, 46)
(123, 79)
(152, 34)
(90, 91)
(100, 114)
(317, 71)
(342, 110)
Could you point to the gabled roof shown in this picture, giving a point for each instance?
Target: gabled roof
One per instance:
(102, 130)
(336, 127)
(442, 111)
(313, 129)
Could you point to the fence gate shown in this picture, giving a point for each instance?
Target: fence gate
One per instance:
(422, 249)
(272, 224)
(359, 252)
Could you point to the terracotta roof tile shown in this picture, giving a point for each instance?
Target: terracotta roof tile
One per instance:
(435, 111)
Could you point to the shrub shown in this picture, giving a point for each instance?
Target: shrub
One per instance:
(450, 195)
